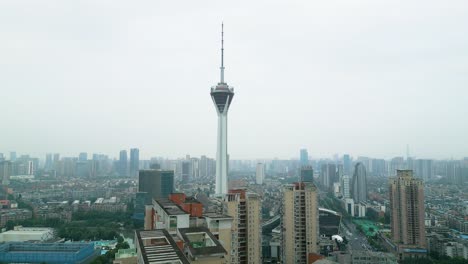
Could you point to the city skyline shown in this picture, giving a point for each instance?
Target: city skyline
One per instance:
(88, 83)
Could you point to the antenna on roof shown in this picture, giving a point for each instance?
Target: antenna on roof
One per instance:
(222, 53)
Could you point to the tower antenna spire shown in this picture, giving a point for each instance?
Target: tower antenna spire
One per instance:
(222, 53)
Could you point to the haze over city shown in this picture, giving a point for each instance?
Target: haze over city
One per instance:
(359, 77)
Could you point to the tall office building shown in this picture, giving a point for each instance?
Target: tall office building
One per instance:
(123, 161)
(406, 195)
(157, 183)
(346, 164)
(359, 183)
(134, 162)
(300, 221)
(260, 173)
(222, 95)
(55, 161)
(304, 157)
(307, 174)
(246, 232)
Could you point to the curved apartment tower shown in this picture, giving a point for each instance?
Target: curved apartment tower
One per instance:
(359, 183)
(222, 95)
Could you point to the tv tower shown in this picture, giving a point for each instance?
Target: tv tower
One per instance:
(222, 95)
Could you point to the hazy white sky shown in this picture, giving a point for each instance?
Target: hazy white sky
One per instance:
(359, 77)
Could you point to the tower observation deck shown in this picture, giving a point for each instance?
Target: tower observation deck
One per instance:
(222, 95)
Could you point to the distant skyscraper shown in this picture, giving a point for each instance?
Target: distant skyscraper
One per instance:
(5, 172)
(30, 169)
(185, 171)
(134, 162)
(222, 95)
(406, 195)
(13, 156)
(56, 161)
(300, 222)
(260, 173)
(157, 183)
(346, 164)
(246, 232)
(307, 174)
(83, 156)
(359, 184)
(48, 162)
(304, 156)
(203, 166)
(328, 175)
(123, 161)
(423, 169)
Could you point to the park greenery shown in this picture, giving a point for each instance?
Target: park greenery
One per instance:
(85, 225)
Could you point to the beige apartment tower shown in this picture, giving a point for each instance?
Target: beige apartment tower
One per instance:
(246, 236)
(299, 222)
(406, 195)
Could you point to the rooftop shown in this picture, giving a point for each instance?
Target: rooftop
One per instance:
(201, 242)
(170, 207)
(157, 246)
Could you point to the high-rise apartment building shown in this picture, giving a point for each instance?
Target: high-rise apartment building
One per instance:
(123, 161)
(134, 162)
(300, 222)
(406, 195)
(222, 95)
(157, 183)
(359, 183)
(260, 173)
(345, 187)
(246, 235)
(304, 157)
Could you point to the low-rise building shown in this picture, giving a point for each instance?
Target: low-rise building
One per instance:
(21, 234)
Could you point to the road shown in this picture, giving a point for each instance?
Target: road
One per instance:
(357, 240)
